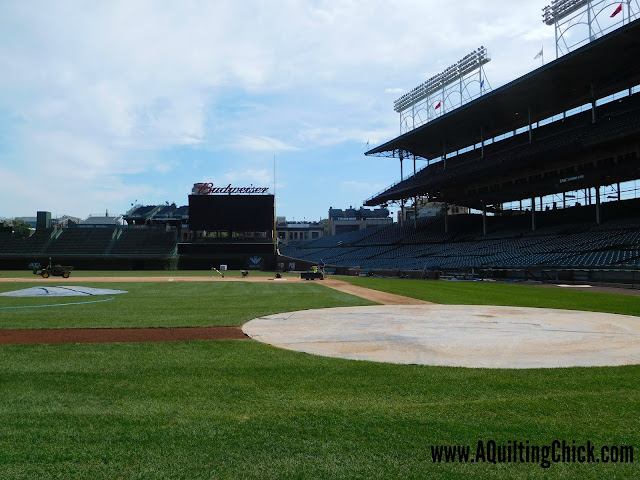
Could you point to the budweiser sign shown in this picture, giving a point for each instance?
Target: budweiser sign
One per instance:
(210, 188)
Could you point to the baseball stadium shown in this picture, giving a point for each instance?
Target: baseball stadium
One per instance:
(492, 331)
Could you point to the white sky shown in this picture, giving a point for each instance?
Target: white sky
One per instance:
(103, 104)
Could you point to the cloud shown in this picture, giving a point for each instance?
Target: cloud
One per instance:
(262, 144)
(325, 136)
(163, 167)
(71, 195)
(541, 33)
(261, 177)
(127, 91)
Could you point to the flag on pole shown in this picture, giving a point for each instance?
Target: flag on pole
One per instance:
(482, 84)
(539, 54)
(616, 11)
(437, 106)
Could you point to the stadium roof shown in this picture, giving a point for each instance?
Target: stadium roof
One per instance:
(603, 67)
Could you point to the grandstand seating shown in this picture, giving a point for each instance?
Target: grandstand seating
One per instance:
(94, 241)
(181, 211)
(143, 211)
(10, 245)
(156, 214)
(510, 243)
(557, 244)
(145, 241)
(86, 241)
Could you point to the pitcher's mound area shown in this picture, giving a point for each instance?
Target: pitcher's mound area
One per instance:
(457, 335)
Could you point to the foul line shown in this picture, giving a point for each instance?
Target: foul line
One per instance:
(58, 304)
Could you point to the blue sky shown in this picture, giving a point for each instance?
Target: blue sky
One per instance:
(103, 104)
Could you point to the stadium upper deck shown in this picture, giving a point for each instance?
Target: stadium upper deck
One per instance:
(599, 69)
(566, 155)
(157, 214)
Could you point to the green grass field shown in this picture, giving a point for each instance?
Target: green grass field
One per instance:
(490, 293)
(169, 304)
(241, 409)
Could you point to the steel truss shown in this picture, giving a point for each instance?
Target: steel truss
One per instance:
(458, 84)
(578, 22)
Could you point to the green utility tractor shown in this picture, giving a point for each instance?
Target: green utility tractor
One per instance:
(49, 270)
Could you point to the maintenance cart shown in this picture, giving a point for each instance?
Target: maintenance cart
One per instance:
(312, 274)
(55, 270)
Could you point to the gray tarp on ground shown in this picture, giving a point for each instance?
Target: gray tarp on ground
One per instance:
(67, 291)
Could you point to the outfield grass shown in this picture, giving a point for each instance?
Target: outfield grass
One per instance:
(169, 304)
(493, 293)
(240, 409)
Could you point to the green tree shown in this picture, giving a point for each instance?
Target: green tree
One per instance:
(20, 228)
(325, 225)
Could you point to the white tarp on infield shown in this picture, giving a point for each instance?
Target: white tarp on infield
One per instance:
(67, 291)
(457, 335)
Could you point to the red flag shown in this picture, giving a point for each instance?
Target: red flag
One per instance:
(616, 11)
(437, 106)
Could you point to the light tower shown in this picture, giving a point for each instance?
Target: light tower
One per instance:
(456, 85)
(578, 22)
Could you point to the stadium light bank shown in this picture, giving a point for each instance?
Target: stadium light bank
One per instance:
(437, 90)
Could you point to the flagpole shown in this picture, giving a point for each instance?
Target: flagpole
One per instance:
(275, 212)
(540, 54)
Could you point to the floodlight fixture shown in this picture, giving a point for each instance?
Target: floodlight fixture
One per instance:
(560, 9)
(564, 15)
(469, 63)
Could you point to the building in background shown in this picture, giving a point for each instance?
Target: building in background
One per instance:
(350, 219)
(289, 231)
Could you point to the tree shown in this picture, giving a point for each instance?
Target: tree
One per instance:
(325, 225)
(20, 228)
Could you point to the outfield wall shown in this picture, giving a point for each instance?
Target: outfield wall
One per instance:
(87, 262)
(141, 262)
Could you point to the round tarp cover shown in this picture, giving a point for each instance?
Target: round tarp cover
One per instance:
(67, 291)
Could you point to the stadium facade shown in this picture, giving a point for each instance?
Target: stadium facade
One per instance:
(548, 165)
(229, 228)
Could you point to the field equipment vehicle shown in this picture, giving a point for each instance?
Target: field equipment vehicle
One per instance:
(55, 270)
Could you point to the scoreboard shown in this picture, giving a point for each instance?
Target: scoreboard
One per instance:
(237, 213)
